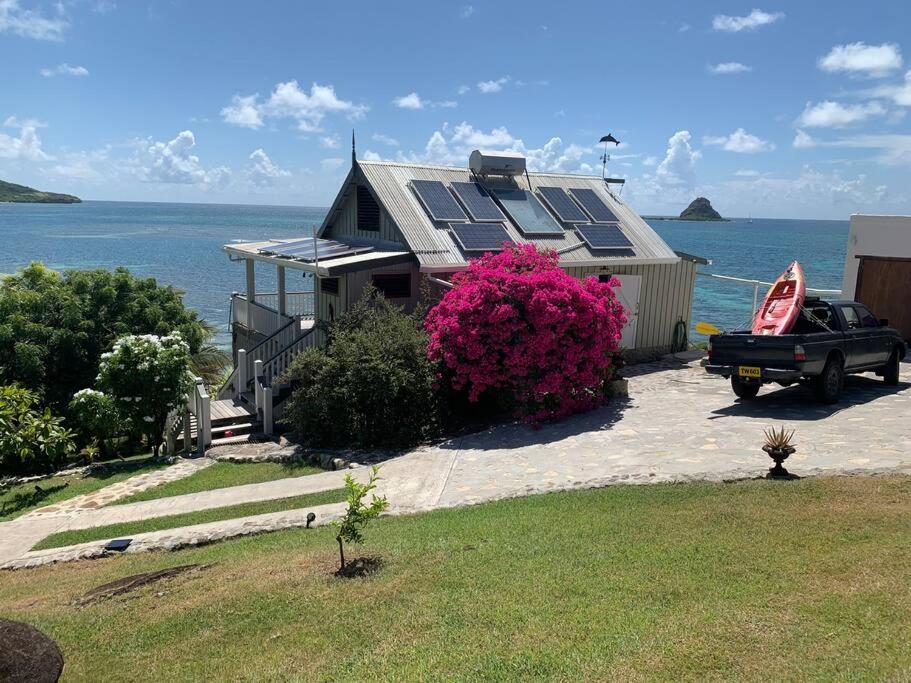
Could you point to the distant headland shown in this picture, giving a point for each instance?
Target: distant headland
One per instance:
(10, 192)
(700, 209)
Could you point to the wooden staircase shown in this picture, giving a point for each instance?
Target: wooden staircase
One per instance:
(233, 421)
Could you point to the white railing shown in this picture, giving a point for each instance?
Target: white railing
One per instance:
(277, 364)
(757, 283)
(198, 405)
(255, 316)
(266, 349)
(296, 303)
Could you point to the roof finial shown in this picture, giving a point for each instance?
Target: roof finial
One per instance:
(353, 152)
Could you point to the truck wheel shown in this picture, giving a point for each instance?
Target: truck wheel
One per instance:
(891, 370)
(829, 384)
(744, 390)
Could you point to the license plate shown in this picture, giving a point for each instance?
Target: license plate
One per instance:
(749, 371)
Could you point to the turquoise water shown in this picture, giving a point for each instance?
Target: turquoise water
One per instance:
(180, 244)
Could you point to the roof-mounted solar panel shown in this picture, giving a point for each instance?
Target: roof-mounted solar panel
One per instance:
(561, 203)
(480, 236)
(478, 203)
(311, 250)
(527, 212)
(603, 236)
(437, 201)
(592, 203)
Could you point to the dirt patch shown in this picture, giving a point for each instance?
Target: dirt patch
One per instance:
(131, 583)
(26, 654)
(359, 568)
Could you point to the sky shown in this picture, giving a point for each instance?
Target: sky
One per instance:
(789, 110)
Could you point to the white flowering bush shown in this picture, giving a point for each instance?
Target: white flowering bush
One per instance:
(96, 418)
(146, 376)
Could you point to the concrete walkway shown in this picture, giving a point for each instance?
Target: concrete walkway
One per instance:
(679, 424)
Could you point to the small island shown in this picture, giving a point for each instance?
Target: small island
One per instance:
(10, 192)
(700, 209)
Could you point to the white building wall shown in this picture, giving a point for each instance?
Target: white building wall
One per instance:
(874, 236)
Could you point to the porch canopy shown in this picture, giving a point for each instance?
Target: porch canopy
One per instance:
(321, 257)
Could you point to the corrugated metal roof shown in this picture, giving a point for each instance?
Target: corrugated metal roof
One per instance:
(436, 250)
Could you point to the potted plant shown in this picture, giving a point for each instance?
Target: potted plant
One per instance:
(779, 446)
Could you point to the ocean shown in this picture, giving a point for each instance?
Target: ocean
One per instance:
(180, 244)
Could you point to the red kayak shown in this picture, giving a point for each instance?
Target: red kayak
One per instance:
(781, 306)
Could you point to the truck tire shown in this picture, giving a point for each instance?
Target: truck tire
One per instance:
(744, 390)
(891, 370)
(829, 384)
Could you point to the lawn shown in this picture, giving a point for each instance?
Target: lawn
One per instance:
(22, 498)
(760, 580)
(222, 475)
(127, 529)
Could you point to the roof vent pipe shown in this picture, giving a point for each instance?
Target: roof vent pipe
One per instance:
(486, 163)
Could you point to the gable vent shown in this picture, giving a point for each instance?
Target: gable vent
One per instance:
(368, 211)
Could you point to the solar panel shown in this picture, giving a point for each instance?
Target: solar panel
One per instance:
(306, 250)
(565, 208)
(479, 204)
(596, 208)
(436, 199)
(480, 236)
(603, 236)
(527, 212)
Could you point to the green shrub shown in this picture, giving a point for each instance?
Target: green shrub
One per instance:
(372, 386)
(358, 514)
(31, 441)
(96, 418)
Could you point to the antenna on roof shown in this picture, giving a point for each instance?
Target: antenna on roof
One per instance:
(606, 157)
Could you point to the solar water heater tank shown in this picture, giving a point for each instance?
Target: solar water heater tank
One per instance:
(486, 163)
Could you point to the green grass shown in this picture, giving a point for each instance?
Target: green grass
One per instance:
(759, 580)
(127, 529)
(22, 498)
(222, 475)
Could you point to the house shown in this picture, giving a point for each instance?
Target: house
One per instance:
(878, 267)
(400, 226)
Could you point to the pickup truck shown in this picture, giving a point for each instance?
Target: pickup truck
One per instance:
(828, 341)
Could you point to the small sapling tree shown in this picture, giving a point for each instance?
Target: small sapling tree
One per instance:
(350, 527)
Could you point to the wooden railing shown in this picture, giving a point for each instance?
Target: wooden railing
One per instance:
(272, 345)
(276, 365)
(262, 319)
(198, 405)
(296, 303)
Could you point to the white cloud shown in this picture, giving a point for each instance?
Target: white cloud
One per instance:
(80, 166)
(466, 11)
(803, 141)
(409, 101)
(493, 86)
(650, 160)
(243, 111)
(740, 141)
(370, 155)
(65, 70)
(332, 164)
(30, 23)
(174, 162)
(746, 173)
(900, 94)
(809, 189)
(445, 104)
(330, 142)
(24, 147)
(288, 100)
(385, 139)
(862, 59)
(683, 28)
(750, 22)
(678, 168)
(895, 150)
(463, 89)
(830, 114)
(263, 171)
(729, 68)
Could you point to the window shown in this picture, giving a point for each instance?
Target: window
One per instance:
(850, 317)
(867, 319)
(368, 211)
(329, 285)
(393, 285)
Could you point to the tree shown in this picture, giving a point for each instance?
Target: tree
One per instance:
(31, 441)
(358, 514)
(97, 418)
(518, 326)
(147, 378)
(55, 326)
(372, 386)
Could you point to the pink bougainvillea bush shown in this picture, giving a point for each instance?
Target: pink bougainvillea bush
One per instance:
(517, 325)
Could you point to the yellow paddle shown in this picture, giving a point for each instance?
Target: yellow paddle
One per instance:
(707, 329)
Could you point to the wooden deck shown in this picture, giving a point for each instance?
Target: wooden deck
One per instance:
(230, 409)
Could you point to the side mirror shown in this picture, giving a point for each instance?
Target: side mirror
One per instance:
(884, 322)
